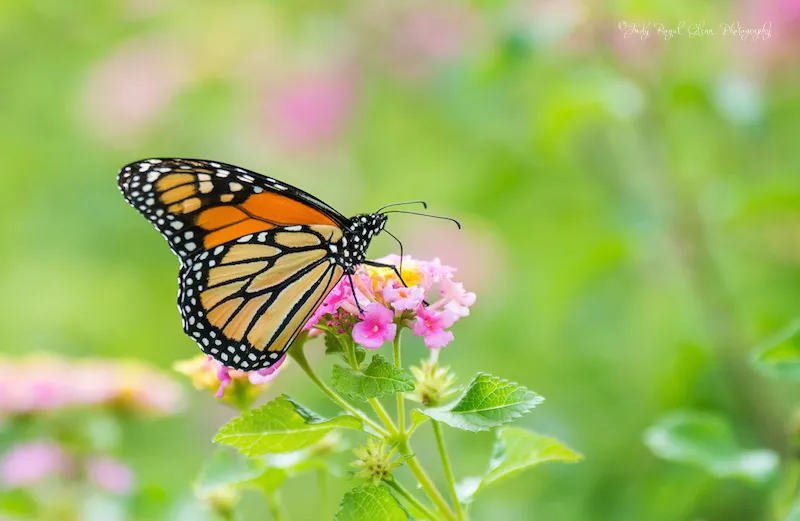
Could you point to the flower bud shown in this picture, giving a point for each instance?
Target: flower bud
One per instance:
(434, 384)
(375, 461)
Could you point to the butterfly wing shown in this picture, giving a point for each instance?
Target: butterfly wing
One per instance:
(198, 205)
(246, 300)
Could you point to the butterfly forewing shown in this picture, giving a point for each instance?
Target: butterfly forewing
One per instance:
(257, 256)
(246, 300)
(198, 205)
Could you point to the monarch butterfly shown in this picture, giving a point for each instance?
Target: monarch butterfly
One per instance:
(258, 256)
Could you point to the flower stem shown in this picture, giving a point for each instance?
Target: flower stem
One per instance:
(424, 481)
(377, 406)
(299, 356)
(448, 470)
(401, 413)
(411, 499)
(275, 506)
(350, 348)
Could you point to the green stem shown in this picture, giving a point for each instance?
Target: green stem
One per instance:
(299, 356)
(448, 470)
(424, 481)
(275, 507)
(401, 413)
(411, 499)
(350, 348)
(377, 406)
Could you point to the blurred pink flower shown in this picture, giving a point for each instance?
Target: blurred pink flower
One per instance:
(431, 326)
(48, 382)
(207, 373)
(110, 474)
(127, 90)
(782, 18)
(310, 110)
(425, 35)
(375, 327)
(28, 463)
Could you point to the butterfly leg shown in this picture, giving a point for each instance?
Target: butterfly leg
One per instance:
(353, 287)
(390, 266)
(393, 268)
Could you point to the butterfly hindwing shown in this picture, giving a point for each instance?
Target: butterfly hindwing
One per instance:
(198, 205)
(244, 301)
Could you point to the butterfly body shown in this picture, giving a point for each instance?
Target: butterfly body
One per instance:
(257, 256)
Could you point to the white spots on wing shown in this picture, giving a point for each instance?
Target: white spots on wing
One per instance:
(189, 234)
(246, 238)
(257, 189)
(218, 250)
(154, 161)
(247, 178)
(190, 246)
(295, 228)
(144, 167)
(276, 186)
(152, 176)
(235, 187)
(222, 173)
(215, 165)
(176, 224)
(150, 202)
(203, 177)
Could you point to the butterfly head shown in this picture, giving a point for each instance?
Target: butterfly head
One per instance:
(357, 237)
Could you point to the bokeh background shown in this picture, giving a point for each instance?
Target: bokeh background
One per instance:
(630, 207)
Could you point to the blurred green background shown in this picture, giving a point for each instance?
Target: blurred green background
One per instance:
(631, 206)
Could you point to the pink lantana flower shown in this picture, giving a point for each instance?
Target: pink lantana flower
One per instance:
(402, 298)
(376, 327)
(431, 326)
(388, 303)
(457, 299)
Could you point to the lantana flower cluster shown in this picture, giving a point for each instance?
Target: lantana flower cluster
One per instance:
(40, 383)
(429, 303)
(209, 374)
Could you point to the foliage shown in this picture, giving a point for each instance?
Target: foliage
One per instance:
(630, 213)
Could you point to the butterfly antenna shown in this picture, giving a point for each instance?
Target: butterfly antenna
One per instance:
(423, 203)
(390, 234)
(427, 215)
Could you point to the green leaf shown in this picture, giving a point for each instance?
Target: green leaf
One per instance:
(369, 503)
(380, 378)
(281, 425)
(417, 418)
(487, 402)
(706, 440)
(516, 450)
(333, 346)
(225, 468)
(779, 355)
